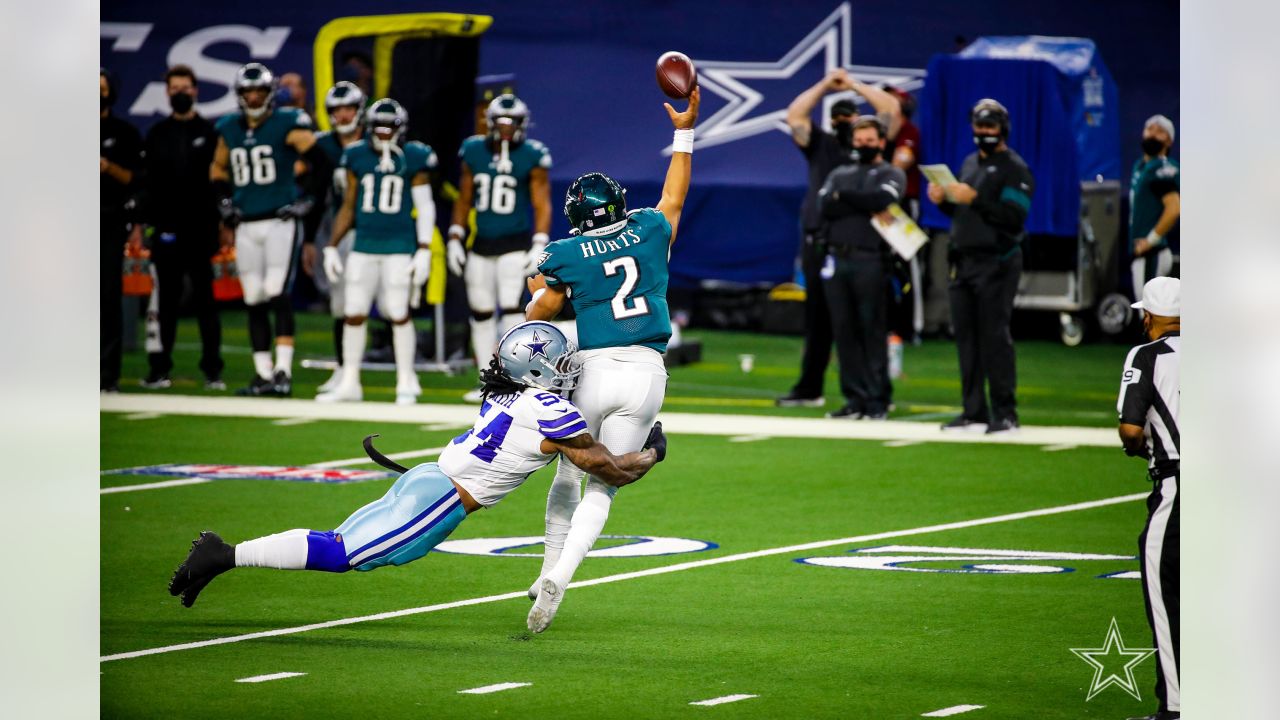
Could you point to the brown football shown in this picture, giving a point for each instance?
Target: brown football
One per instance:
(676, 75)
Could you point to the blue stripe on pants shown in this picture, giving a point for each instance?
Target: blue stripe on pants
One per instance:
(419, 511)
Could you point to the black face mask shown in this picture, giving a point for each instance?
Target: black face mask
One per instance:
(181, 102)
(867, 154)
(986, 143)
(1152, 146)
(844, 134)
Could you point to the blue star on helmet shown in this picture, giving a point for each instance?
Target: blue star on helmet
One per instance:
(538, 346)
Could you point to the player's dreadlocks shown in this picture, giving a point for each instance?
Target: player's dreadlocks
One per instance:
(496, 381)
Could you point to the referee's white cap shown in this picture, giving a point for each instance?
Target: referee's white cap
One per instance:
(1161, 296)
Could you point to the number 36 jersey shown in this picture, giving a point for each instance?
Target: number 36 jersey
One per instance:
(617, 282)
(261, 162)
(501, 195)
(504, 447)
(384, 196)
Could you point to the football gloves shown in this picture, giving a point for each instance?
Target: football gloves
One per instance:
(457, 254)
(657, 441)
(332, 264)
(419, 272)
(535, 254)
(229, 213)
(296, 209)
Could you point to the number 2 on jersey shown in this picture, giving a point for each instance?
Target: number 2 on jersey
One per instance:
(630, 276)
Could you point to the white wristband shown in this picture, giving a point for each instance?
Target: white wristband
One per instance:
(541, 239)
(682, 141)
(457, 232)
(1154, 238)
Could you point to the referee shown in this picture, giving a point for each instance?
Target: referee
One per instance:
(1148, 406)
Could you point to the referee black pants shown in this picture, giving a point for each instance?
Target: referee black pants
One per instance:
(1158, 548)
(188, 255)
(857, 296)
(817, 323)
(981, 293)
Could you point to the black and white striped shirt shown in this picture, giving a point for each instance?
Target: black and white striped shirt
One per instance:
(1149, 393)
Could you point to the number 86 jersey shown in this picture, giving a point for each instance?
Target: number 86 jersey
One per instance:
(617, 281)
(504, 447)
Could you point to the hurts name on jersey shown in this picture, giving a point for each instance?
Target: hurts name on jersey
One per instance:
(599, 246)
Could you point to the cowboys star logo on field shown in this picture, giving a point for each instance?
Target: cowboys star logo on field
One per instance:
(1113, 663)
(748, 112)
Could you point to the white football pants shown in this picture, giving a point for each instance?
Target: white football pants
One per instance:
(369, 276)
(493, 282)
(265, 257)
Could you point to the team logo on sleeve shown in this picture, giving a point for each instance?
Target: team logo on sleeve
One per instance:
(542, 257)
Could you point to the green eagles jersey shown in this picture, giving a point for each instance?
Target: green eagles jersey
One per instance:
(331, 146)
(261, 162)
(1150, 182)
(617, 282)
(384, 199)
(501, 197)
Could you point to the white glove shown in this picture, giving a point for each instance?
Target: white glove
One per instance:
(535, 254)
(457, 256)
(332, 264)
(420, 267)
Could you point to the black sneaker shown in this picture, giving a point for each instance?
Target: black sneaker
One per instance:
(156, 381)
(791, 399)
(283, 384)
(209, 558)
(848, 412)
(1006, 425)
(964, 424)
(258, 387)
(874, 416)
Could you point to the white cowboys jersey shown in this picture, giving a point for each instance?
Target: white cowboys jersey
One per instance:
(504, 447)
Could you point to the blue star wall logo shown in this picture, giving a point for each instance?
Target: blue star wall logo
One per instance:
(748, 112)
(1113, 663)
(537, 346)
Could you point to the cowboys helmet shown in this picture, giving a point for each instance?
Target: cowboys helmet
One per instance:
(537, 354)
(345, 94)
(254, 76)
(508, 118)
(991, 112)
(388, 116)
(594, 201)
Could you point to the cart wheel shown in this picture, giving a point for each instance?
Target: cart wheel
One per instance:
(1072, 330)
(1114, 313)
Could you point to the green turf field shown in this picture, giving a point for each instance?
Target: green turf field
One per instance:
(808, 640)
(1056, 385)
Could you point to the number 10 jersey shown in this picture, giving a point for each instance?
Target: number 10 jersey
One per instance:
(617, 282)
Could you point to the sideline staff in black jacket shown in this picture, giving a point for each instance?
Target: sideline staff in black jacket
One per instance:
(988, 210)
(856, 275)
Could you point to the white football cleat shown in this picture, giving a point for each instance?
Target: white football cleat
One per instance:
(475, 397)
(347, 393)
(533, 589)
(545, 607)
(332, 383)
(408, 394)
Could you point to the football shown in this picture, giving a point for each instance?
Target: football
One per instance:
(676, 75)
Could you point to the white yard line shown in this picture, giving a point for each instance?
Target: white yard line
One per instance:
(903, 443)
(485, 690)
(144, 416)
(286, 422)
(723, 700)
(663, 570)
(749, 438)
(955, 710)
(267, 678)
(678, 423)
(1057, 448)
(364, 459)
(152, 486)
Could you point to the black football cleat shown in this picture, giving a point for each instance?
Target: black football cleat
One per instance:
(209, 558)
(258, 387)
(283, 384)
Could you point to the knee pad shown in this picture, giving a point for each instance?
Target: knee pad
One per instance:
(283, 309)
(259, 327)
(273, 281)
(481, 316)
(252, 289)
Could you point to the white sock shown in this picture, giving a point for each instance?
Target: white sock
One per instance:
(282, 551)
(484, 336)
(284, 359)
(353, 340)
(562, 501)
(262, 364)
(588, 522)
(404, 339)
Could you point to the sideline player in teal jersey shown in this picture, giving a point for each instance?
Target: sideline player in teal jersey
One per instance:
(504, 177)
(253, 176)
(345, 104)
(1154, 204)
(614, 272)
(391, 255)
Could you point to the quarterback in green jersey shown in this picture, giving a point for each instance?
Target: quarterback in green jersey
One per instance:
(1154, 204)
(389, 202)
(614, 272)
(505, 180)
(345, 105)
(253, 176)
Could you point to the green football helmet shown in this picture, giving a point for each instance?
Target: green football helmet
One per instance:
(594, 200)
